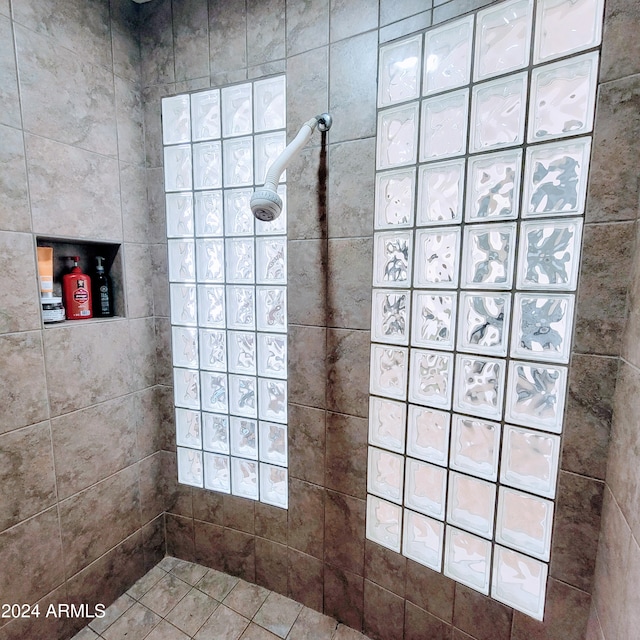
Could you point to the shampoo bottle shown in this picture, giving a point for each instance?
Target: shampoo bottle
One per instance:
(102, 292)
(76, 291)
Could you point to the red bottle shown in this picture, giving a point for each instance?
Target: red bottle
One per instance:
(76, 291)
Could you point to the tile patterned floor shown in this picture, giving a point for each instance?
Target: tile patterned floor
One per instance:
(179, 600)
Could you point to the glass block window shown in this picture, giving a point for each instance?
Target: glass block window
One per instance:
(483, 150)
(228, 289)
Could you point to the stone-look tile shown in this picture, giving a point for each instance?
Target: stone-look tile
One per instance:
(95, 520)
(217, 584)
(5, 10)
(164, 366)
(405, 27)
(344, 532)
(191, 39)
(383, 613)
(95, 356)
(83, 116)
(456, 8)
(142, 335)
(133, 199)
(166, 631)
(207, 506)
(14, 203)
(346, 467)
(160, 280)
(255, 632)
(271, 558)
(385, 567)
(9, 99)
(129, 122)
(576, 529)
(239, 555)
(306, 578)
(153, 542)
(165, 594)
(419, 624)
(480, 616)
(346, 633)
(192, 611)
(32, 559)
(312, 625)
(344, 596)
(135, 624)
(306, 518)
(147, 419)
(307, 25)
(112, 613)
(430, 590)
(239, 513)
(194, 84)
(224, 624)
(594, 630)
(125, 43)
(620, 52)
(306, 443)
(246, 598)
(178, 497)
(103, 437)
(631, 345)
(265, 31)
(630, 617)
(180, 539)
(393, 10)
(348, 375)
(602, 294)
(78, 191)
(587, 425)
(156, 43)
(271, 522)
(306, 268)
(227, 36)
(189, 572)
(208, 541)
(151, 101)
(146, 582)
(152, 486)
(137, 260)
(223, 78)
(307, 348)
(23, 375)
(86, 634)
(277, 614)
(353, 87)
(350, 18)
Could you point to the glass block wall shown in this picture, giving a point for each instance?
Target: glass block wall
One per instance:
(482, 157)
(228, 294)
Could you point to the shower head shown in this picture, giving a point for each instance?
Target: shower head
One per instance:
(266, 204)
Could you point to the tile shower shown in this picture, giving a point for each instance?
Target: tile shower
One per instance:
(96, 471)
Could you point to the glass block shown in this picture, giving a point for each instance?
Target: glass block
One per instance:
(241, 308)
(188, 431)
(437, 252)
(217, 475)
(434, 319)
(440, 189)
(535, 395)
(182, 266)
(384, 523)
(471, 504)
(392, 252)
(493, 186)
(244, 478)
(186, 388)
(240, 260)
(208, 213)
(268, 148)
(269, 103)
(177, 168)
(179, 208)
(426, 488)
(274, 488)
(385, 474)
(271, 308)
(389, 371)
(474, 447)
(190, 467)
(244, 437)
(394, 198)
(183, 304)
(273, 443)
(488, 256)
(483, 326)
(389, 316)
(272, 400)
(184, 345)
(215, 433)
(272, 355)
(467, 559)
(210, 260)
(498, 113)
(431, 378)
(205, 115)
(542, 327)
(566, 26)
(503, 35)
(549, 254)
(238, 162)
(396, 142)
(271, 260)
(207, 165)
(238, 219)
(479, 386)
(563, 97)
(524, 522)
(242, 396)
(387, 421)
(211, 306)
(279, 225)
(214, 391)
(399, 71)
(176, 121)
(556, 178)
(530, 460)
(423, 540)
(428, 434)
(236, 110)
(443, 131)
(447, 56)
(242, 352)
(519, 582)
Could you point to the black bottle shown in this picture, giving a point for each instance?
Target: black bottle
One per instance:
(102, 293)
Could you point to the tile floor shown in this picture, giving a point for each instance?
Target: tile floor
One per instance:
(179, 600)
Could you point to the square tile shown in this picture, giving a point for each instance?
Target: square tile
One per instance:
(277, 614)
